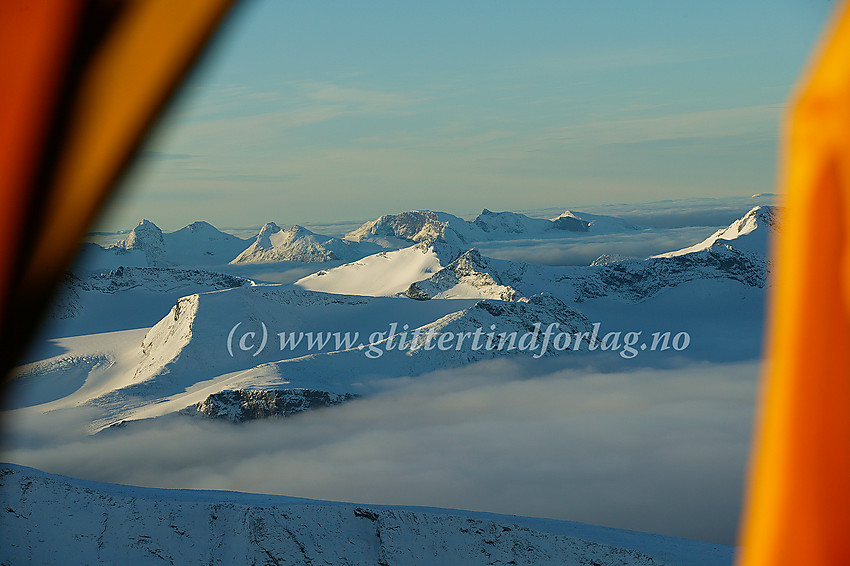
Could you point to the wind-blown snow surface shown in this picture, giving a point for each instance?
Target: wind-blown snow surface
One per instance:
(82, 522)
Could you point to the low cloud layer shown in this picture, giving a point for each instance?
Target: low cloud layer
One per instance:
(583, 250)
(660, 450)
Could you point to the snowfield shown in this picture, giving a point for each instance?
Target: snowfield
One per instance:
(176, 327)
(187, 358)
(51, 519)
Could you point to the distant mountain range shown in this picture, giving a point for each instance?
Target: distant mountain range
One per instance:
(435, 282)
(167, 326)
(202, 245)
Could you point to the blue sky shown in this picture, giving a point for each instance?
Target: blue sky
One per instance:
(311, 112)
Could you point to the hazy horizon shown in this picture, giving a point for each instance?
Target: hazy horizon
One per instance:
(329, 112)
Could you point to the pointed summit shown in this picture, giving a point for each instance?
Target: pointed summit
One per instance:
(147, 238)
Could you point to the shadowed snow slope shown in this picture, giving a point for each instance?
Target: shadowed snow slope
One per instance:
(198, 244)
(127, 297)
(82, 522)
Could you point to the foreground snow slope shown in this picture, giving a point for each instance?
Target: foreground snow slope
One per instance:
(50, 519)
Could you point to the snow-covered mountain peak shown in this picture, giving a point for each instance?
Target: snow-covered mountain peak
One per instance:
(468, 276)
(297, 243)
(507, 316)
(596, 223)
(297, 230)
(201, 227)
(143, 232)
(266, 231)
(749, 234)
(569, 221)
(411, 226)
(509, 222)
(566, 214)
(270, 228)
(758, 216)
(147, 238)
(512, 223)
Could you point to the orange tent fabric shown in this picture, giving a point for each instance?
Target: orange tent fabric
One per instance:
(36, 40)
(85, 81)
(798, 509)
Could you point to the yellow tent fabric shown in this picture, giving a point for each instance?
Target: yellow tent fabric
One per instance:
(98, 72)
(149, 48)
(798, 509)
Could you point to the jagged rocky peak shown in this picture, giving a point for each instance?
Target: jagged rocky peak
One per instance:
(147, 238)
(299, 244)
(767, 215)
(469, 261)
(605, 259)
(146, 235)
(241, 405)
(267, 230)
(297, 230)
(571, 223)
(469, 275)
(412, 226)
(522, 315)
